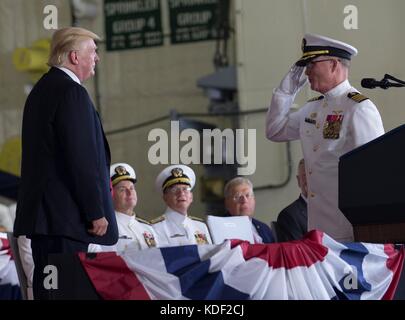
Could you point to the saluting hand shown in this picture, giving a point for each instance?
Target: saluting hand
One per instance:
(293, 81)
(99, 227)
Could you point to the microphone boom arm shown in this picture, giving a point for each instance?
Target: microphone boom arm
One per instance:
(389, 77)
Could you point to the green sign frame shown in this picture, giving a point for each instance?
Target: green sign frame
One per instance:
(132, 24)
(192, 20)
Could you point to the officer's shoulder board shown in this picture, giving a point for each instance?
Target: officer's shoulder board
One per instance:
(358, 97)
(316, 99)
(196, 219)
(158, 219)
(142, 220)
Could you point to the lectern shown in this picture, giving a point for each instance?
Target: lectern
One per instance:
(372, 188)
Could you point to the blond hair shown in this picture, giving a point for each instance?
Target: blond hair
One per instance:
(65, 40)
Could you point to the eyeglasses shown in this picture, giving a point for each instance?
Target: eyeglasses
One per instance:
(311, 64)
(239, 196)
(176, 190)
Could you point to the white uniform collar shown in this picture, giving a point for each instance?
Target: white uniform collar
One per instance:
(338, 90)
(70, 73)
(175, 216)
(124, 218)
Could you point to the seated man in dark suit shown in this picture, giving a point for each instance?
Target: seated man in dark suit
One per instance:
(292, 221)
(240, 201)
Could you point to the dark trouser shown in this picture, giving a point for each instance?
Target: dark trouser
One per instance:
(41, 247)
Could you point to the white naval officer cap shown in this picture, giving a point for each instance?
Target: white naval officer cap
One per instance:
(175, 174)
(122, 171)
(314, 45)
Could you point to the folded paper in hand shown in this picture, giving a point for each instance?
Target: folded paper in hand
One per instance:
(223, 228)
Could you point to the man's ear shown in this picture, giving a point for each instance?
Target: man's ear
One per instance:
(334, 65)
(73, 57)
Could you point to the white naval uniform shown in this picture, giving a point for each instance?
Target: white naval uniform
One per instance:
(133, 234)
(176, 229)
(361, 123)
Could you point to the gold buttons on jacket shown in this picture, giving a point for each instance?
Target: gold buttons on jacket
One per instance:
(312, 195)
(316, 148)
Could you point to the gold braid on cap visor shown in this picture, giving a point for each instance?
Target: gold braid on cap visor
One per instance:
(317, 53)
(313, 54)
(176, 180)
(120, 178)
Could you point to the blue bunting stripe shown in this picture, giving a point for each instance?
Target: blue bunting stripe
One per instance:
(196, 281)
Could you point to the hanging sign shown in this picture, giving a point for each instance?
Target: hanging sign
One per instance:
(131, 24)
(192, 20)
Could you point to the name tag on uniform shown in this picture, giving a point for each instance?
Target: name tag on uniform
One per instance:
(309, 120)
(177, 235)
(124, 237)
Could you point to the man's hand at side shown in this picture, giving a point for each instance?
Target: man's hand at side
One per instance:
(99, 227)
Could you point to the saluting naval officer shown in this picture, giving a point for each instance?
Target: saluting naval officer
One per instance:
(175, 227)
(328, 126)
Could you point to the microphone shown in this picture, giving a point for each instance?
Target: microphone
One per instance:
(371, 83)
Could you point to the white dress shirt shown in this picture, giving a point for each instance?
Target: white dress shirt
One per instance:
(70, 74)
(256, 237)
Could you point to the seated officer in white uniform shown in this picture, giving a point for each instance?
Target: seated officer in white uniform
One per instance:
(175, 227)
(134, 232)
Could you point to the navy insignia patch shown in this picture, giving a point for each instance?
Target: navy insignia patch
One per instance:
(120, 170)
(316, 99)
(196, 219)
(142, 220)
(177, 172)
(358, 97)
(158, 219)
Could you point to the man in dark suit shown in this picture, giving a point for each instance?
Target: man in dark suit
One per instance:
(292, 220)
(64, 201)
(240, 201)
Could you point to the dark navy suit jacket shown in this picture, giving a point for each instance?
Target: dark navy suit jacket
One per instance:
(263, 230)
(292, 221)
(65, 164)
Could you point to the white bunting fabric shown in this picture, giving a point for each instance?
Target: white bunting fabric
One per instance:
(9, 284)
(314, 268)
